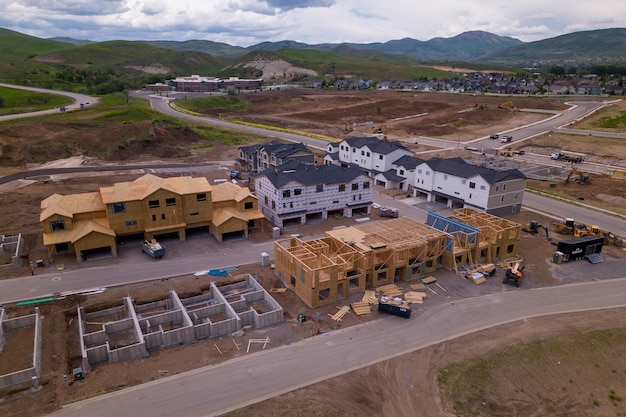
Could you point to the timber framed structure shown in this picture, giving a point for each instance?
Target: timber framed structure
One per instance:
(347, 260)
(477, 237)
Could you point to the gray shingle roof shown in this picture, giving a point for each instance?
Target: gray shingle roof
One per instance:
(375, 145)
(408, 162)
(459, 168)
(312, 174)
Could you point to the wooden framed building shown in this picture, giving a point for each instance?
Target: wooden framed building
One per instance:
(499, 237)
(149, 206)
(348, 260)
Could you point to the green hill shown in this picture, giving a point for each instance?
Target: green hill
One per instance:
(605, 44)
(133, 57)
(331, 65)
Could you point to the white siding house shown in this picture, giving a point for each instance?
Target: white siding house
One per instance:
(303, 192)
(459, 183)
(370, 153)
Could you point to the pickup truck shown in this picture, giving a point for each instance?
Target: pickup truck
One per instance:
(505, 139)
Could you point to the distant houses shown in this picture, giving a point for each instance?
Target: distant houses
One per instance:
(259, 157)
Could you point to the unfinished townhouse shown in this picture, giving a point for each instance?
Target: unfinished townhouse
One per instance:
(131, 331)
(347, 260)
(150, 206)
(476, 237)
(297, 192)
(461, 184)
(256, 158)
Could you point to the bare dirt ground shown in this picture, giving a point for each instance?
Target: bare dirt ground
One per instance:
(406, 386)
(398, 114)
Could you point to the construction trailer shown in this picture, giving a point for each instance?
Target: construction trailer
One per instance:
(583, 247)
(346, 261)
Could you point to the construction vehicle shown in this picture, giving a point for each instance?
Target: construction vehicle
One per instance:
(570, 227)
(565, 227)
(153, 248)
(579, 177)
(513, 274)
(567, 157)
(388, 212)
(533, 228)
(506, 152)
(505, 105)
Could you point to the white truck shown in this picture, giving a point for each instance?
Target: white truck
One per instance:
(571, 157)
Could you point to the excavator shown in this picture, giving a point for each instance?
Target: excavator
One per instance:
(533, 228)
(505, 105)
(579, 177)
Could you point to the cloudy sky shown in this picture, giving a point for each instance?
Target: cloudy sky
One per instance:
(247, 22)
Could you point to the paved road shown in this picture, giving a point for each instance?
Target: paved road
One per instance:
(79, 99)
(588, 215)
(213, 390)
(53, 171)
(161, 104)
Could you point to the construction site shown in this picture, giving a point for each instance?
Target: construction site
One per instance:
(131, 331)
(350, 259)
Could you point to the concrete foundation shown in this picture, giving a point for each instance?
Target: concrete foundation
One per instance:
(130, 332)
(32, 374)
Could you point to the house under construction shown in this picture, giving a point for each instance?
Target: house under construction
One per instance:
(348, 260)
(477, 237)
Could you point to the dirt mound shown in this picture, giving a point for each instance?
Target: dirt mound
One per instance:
(39, 142)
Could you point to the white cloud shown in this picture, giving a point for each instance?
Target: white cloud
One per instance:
(246, 22)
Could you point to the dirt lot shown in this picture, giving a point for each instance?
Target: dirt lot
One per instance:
(438, 115)
(409, 384)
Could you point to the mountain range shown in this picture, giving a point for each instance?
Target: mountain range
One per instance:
(58, 61)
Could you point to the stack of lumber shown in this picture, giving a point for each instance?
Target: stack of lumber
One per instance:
(418, 286)
(369, 297)
(390, 290)
(342, 312)
(361, 307)
(429, 280)
(477, 278)
(415, 297)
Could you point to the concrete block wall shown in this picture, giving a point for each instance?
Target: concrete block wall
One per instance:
(13, 244)
(95, 355)
(189, 324)
(31, 374)
(128, 353)
(3, 317)
(95, 338)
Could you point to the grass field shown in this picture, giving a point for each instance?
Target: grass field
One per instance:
(534, 373)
